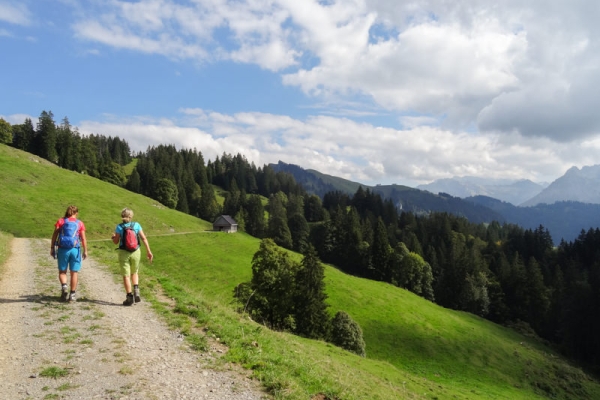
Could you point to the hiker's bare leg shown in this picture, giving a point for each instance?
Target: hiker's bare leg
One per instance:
(127, 283)
(62, 277)
(74, 279)
(134, 279)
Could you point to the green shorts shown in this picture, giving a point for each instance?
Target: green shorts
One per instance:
(129, 262)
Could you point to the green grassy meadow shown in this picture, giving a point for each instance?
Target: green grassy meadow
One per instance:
(415, 349)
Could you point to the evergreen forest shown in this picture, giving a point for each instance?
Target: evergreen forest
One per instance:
(502, 272)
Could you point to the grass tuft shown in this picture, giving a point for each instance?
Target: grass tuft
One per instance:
(198, 342)
(54, 372)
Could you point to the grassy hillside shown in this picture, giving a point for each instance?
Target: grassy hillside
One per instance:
(415, 349)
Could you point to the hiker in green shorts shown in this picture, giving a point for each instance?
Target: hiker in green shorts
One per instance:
(127, 235)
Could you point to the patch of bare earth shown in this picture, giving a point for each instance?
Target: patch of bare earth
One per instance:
(94, 348)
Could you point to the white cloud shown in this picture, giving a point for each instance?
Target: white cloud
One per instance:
(117, 36)
(504, 66)
(356, 151)
(360, 152)
(252, 32)
(15, 13)
(16, 119)
(498, 90)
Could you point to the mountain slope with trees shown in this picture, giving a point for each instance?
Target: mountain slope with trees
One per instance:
(403, 197)
(414, 348)
(502, 272)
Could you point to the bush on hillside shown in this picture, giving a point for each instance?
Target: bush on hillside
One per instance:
(347, 334)
(6, 135)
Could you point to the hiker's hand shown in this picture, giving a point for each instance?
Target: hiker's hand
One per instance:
(85, 254)
(52, 252)
(150, 256)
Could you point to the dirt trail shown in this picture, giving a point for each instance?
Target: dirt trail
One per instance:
(106, 350)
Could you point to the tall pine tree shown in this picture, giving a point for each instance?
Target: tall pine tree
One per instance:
(312, 318)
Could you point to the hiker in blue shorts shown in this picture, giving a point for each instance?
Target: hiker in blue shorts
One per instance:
(127, 235)
(66, 243)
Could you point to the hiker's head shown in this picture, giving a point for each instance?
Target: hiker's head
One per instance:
(71, 211)
(126, 214)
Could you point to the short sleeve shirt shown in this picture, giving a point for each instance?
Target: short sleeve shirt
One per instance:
(61, 222)
(134, 225)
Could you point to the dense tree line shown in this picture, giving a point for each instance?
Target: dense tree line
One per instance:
(95, 155)
(499, 271)
(182, 180)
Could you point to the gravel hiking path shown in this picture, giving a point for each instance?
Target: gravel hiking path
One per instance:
(95, 348)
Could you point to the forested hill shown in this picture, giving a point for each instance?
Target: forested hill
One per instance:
(315, 182)
(565, 220)
(403, 197)
(502, 272)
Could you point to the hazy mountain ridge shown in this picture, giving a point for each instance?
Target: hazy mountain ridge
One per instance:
(576, 185)
(512, 191)
(404, 197)
(581, 185)
(315, 182)
(564, 219)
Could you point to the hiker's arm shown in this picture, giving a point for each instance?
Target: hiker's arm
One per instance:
(53, 241)
(115, 238)
(145, 240)
(84, 244)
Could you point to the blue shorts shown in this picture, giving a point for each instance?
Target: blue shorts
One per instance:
(70, 258)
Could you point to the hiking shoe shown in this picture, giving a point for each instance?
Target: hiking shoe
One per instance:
(73, 297)
(64, 294)
(136, 295)
(129, 300)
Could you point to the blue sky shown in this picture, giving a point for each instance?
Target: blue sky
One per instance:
(376, 91)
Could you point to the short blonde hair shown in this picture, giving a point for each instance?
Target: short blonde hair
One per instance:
(127, 214)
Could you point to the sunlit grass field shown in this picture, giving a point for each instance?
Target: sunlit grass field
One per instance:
(415, 349)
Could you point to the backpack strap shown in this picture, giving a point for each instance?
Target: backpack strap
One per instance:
(122, 225)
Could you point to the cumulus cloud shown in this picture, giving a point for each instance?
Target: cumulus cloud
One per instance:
(504, 90)
(337, 146)
(518, 67)
(246, 32)
(14, 12)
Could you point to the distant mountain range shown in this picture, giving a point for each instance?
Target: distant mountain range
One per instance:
(404, 197)
(582, 185)
(579, 185)
(565, 207)
(563, 219)
(515, 192)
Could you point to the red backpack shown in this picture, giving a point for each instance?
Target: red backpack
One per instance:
(129, 239)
